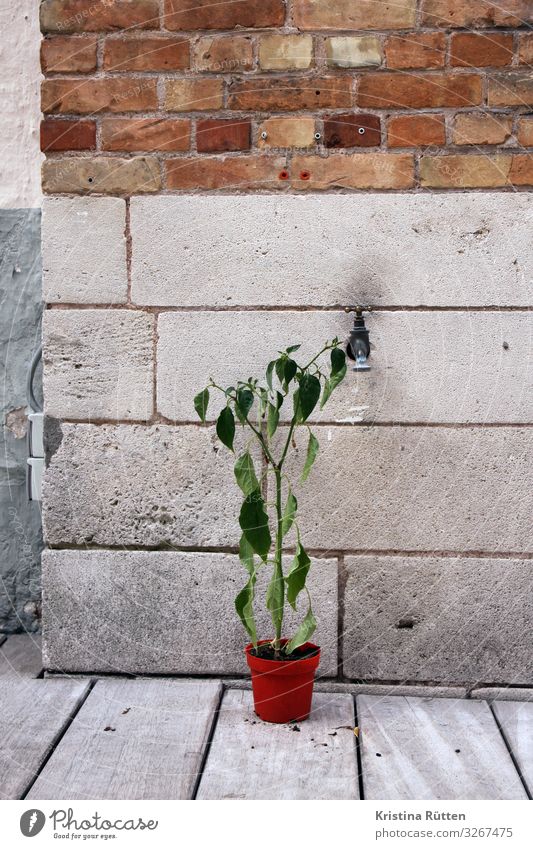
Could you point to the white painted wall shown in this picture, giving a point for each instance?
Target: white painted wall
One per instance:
(20, 76)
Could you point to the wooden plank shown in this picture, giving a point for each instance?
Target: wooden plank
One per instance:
(252, 759)
(21, 656)
(516, 722)
(33, 716)
(140, 739)
(416, 748)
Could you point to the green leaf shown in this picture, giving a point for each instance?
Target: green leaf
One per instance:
(297, 574)
(312, 451)
(245, 473)
(308, 395)
(275, 598)
(245, 400)
(253, 520)
(334, 380)
(201, 402)
(226, 428)
(338, 360)
(289, 371)
(304, 632)
(246, 554)
(280, 368)
(289, 514)
(244, 605)
(292, 348)
(279, 400)
(272, 420)
(269, 373)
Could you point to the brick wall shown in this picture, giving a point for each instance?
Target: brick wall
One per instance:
(153, 96)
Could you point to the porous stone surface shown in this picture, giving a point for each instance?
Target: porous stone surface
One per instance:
(98, 364)
(20, 316)
(438, 618)
(503, 694)
(398, 249)
(417, 489)
(430, 367)
(165, 612)
(138, 485)
(84, 250)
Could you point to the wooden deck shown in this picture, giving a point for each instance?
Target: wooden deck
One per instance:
(171, 738)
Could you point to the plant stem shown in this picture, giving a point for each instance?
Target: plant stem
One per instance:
(278, 561)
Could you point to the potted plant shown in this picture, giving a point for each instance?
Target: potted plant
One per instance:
(282, 667)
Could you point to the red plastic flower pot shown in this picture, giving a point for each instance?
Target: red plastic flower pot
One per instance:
(283, 689)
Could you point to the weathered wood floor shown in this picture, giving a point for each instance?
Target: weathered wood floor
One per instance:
(150, 738)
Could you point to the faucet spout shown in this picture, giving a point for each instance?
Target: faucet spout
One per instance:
(358, 347)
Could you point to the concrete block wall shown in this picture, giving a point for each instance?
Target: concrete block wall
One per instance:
(418, 511)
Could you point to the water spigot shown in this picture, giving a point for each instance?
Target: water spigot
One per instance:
(358, 347)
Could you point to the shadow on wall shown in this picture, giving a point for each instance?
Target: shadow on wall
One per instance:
(20, 328)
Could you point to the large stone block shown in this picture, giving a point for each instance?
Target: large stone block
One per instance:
(418, 488)
(138, 485)
(430, 367)
(84, 250)
(439, 619)
(397, 249)
(163, 612)
(98, 364)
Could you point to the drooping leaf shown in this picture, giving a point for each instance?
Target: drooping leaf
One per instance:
(308, 395)
(201, 403)
(246, 554)
(244, 605)
(289, 513)
(338, 373)
(289, 371)
(280, 368)
(279, 400)
(292, 348)
(244, 402)
(269, 372)
(226, 428)
(272, 420)
(338, 360)
(253, 520)
(304, 632)
(263, 403)
(297, 574)
(245, 473)
(312, 451)
(275, 598)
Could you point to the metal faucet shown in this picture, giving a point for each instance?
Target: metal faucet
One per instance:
(358, 347)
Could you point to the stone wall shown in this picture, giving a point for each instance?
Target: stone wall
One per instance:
(418, 510)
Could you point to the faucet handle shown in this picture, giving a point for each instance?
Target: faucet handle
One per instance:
(358, 310)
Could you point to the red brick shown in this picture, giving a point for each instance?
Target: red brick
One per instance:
(146, 134)
(476, 50)
(84, 96)
(525, 131)
(98, 15)
(512, 89)
(416, 50)
(417, 91)
(205, 14)
(482, 128)
(234, 172)
(354, 14)
(521, 173)
(354, 171)
(476, 13)
(216, 136)
(265, 93)
(64, 54)
(194, 95)
(146, 54)
(226, 54)
(344, 130)
(525, 53)
(416, 130)
(68, 135)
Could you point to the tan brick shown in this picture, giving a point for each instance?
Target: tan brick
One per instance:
(416, 50)
(64, 54)
(287, 132)
(363, 51)
(68, 135)
(204, 14)
(514, 89)
(285, 52)
(241, 172)
(81, 95)
(525, 131)
(169, 53)
(399, 91)
(146, 134)
(479, 128)
(353, 171)
(94, 16)
(522, 170)
(229, 53)
(477, 50)
(194, 95)
(475, 13)
(347, 14)
(416, 130)
(525, 53)
(101, 174)
(286, 94)
(465, 171)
